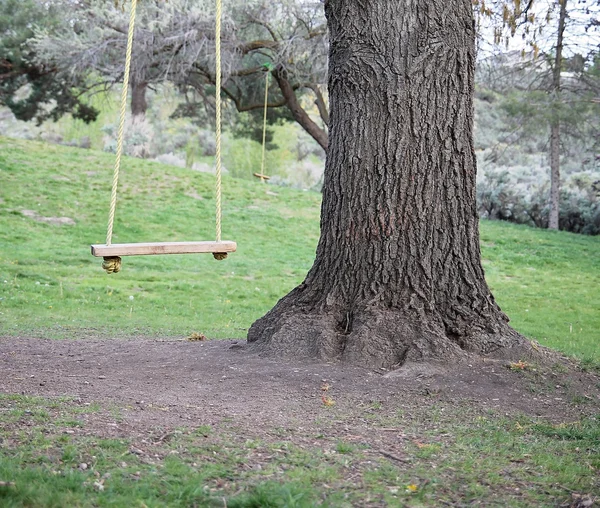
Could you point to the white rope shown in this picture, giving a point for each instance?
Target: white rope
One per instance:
(218, 116)
(121, 131)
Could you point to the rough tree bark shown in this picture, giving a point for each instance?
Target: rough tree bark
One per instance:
(555, 123)
(397, 275)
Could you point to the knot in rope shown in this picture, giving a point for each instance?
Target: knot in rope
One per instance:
(112, 264)
(219, 256)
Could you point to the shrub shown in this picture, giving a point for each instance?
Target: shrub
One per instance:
(521, 196)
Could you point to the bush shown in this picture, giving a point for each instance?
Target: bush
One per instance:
(522, 197)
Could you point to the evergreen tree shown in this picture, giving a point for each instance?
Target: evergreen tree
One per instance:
(33, 90)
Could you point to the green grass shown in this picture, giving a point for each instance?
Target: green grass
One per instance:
(548, 283)
(50, 283)
(458, 457)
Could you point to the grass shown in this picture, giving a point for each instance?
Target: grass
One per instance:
(547, 282)
(57, 452)
(49, 281)
(461, 458)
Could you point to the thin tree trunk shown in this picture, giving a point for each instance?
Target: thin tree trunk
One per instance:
(554, 174)
(553, 219)
(397, 275)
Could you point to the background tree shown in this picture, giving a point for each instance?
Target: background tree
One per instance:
(397, 274)
(92, 45)
(562, 42)
(174, 42)
(32, 89)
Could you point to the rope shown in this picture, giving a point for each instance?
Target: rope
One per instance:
(120, 134)
(264, 138)
(113, 264)
(218, 15)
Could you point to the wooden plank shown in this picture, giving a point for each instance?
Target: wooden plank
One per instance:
(149, 249)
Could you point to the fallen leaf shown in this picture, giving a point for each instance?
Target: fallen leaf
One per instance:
(520, 365)
(328, 401)
(196, 337)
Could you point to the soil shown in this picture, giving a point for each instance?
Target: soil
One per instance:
(55, 221)
(148, 390)
(167, 383)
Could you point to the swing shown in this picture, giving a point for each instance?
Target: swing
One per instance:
(263, 177)
(219, 248)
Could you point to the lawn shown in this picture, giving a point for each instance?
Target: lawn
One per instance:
(451, 456)
(73, 450)
(547, 282)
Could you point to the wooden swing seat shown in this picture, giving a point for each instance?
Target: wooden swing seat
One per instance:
(148, 249)
(261, 176)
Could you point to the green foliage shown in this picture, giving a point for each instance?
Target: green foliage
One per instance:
(505, 195)
(46, 96)
(511, 139)
(250, 125)
(533, 111)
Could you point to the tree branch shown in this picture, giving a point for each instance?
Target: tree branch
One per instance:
(267, 26)
(254, 45)
(318, 134)
(320, 102)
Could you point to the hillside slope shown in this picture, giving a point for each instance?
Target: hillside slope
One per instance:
(54, 204)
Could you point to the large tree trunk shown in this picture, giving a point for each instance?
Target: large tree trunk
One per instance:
(397, 274)
(555, 123)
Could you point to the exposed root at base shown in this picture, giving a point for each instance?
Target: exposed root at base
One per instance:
(383, 339)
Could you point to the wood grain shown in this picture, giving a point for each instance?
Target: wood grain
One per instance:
(150, 249)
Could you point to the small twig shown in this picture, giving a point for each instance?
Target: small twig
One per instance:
(164, 437)
(393, 457)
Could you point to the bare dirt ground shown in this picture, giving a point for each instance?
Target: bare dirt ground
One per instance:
(149, 388)
(172, 382)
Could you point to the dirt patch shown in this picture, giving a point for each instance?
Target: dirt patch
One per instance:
(173, 396)
(194, 195)
(55, 221)
(209, 381)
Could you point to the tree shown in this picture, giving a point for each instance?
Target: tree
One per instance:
(34, 90)
(555, 122)
(92, 45)
(552, 30)
(397, 275)
(174, 41)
